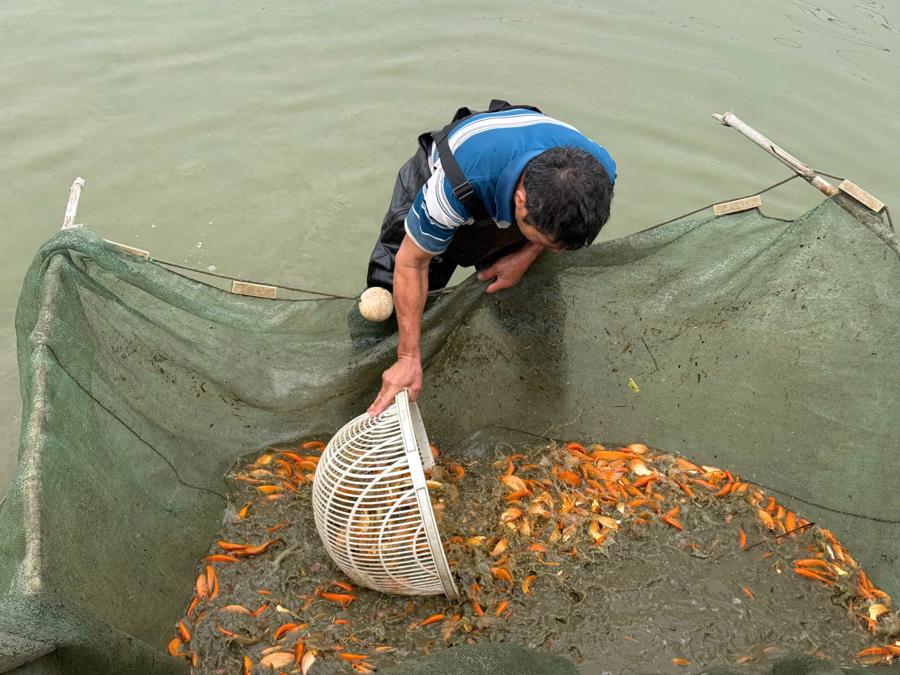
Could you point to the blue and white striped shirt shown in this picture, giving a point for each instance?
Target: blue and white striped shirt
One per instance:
(492, 150)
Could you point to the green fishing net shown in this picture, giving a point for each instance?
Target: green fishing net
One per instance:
(762, 345)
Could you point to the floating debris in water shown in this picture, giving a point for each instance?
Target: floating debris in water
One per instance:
(531, 537)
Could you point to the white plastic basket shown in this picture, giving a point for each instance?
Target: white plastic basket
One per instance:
(372, 508)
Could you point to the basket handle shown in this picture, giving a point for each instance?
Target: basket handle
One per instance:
(411, 419)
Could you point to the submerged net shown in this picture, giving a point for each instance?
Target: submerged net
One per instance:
(759, 345)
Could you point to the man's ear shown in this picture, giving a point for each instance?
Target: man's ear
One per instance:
(519, 196)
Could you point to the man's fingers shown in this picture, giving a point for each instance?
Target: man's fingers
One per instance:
(487, 273)
(496, 285)
(384, 399)
(379, 406)
(381, 403)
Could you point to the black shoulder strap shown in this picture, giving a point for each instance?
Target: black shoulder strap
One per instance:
(458, 181)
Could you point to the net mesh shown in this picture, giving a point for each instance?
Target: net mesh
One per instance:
(763, 345)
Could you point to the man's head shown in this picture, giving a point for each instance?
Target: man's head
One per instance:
(563, 198)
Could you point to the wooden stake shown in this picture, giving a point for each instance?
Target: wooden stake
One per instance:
(731, 120)
(72, 206)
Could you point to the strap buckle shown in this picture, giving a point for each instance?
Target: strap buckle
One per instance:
(464, 191)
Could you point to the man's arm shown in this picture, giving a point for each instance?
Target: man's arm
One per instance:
(410, 291)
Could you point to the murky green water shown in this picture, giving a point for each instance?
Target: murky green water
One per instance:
(263, 137)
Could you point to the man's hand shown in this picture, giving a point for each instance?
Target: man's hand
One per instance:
(406, 373)
(510, 269)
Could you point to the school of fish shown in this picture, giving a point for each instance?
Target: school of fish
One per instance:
(569, 501)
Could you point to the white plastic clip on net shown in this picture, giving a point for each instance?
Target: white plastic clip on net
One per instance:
(372, 507)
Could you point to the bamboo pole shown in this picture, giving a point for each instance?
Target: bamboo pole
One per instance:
(731, 120)
(72, 206)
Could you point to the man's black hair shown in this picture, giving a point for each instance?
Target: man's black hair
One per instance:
(567, 195)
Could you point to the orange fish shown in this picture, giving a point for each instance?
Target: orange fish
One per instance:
(434, 618)
(342, 599)
(474, 590)
(343, 585)
(686, 465)
(286, 628)
(245, 510)
(526, 584)
(256, 550)
(766, 519)
(201, 586)
(456, 471)
(569, 477)
(725, 490)
(686, 489)
(175, 647)
(502, 574)
(212, 582)
(240, 609)
(230, 546)
(812, 562)
(712, 487)
(501, 607)
(500, 548)
(611, 455)
(668, 520)
(514, 483)
(864, 581)
(298, 652)
(809, 574)
(645, 480)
